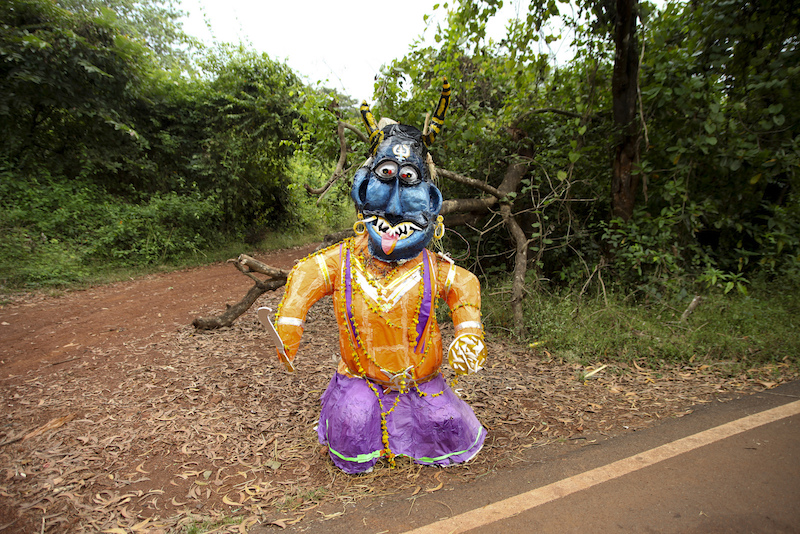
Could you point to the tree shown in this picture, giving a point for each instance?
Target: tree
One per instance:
(625, 97)
(155, 22)
(536, 141)
(67, 81)
(718, 86)
(162, 163)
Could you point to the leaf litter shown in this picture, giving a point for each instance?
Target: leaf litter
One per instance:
(199, 427)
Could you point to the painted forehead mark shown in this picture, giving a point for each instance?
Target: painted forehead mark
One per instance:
(401, 151)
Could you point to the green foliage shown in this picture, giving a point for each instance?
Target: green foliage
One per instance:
(30, 260)
(588, 328)
(155, 22)
(718, 80)
(54, 231)
(719, 163)
(319, 110)
(230, 136)
(332, 213)
(56, 234)
(715, 278)
(94, 128)
(67, 83)
(166, 227)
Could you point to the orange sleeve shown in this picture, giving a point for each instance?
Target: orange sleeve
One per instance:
(462, 292)
(310, 280)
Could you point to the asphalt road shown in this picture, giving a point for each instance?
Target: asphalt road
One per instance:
(731, 467)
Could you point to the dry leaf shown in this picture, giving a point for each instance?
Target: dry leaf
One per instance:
(50, 425)
(247, 523)
(296, 520)
(170, 396)
(140, 526)
(231, 502)
(437, 488)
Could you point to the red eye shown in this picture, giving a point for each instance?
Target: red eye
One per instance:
(387, 169)
(409, 175)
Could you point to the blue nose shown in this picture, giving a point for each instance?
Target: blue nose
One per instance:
(394, 206)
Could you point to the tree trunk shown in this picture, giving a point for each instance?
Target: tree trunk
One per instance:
(520, 268)
(514, 174)
(624, 90)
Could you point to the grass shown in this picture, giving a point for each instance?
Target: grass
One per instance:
(54, 269)
(59, 234)
(734, 330)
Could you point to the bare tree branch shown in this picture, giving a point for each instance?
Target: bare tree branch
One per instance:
(361, 135)
(247, 265)
(514, 174)
(472, 182)
(467, 205)
(520, 267)
(339, 171)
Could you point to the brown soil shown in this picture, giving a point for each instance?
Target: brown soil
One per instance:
(120, 417)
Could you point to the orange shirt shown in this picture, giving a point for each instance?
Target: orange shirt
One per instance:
(385, 312)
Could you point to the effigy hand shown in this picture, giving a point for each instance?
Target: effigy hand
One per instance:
(467, 354)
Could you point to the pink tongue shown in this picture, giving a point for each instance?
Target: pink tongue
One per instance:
(388, 243)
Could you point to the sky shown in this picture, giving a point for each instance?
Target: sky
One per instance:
(343, 44)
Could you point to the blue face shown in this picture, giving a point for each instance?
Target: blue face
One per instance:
(399, 203)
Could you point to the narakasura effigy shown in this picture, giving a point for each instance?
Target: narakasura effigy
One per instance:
(388, 396)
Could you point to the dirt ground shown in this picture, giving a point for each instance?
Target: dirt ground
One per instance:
(118, 416)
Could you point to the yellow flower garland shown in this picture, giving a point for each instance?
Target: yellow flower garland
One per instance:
(348, 243)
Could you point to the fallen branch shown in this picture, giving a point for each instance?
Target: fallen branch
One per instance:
(52, 424)
(460, 205)
(247, 265)
(692, 305)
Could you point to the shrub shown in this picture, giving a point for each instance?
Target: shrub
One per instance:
(164, 228)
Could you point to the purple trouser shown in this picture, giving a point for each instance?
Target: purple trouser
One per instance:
(440, 430)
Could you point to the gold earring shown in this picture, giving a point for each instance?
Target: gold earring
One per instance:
(359, 227)
(438, 231)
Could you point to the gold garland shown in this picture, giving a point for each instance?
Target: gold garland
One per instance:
(362, 373)
(465, 305)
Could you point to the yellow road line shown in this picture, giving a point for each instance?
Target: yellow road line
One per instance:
(531, 499)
